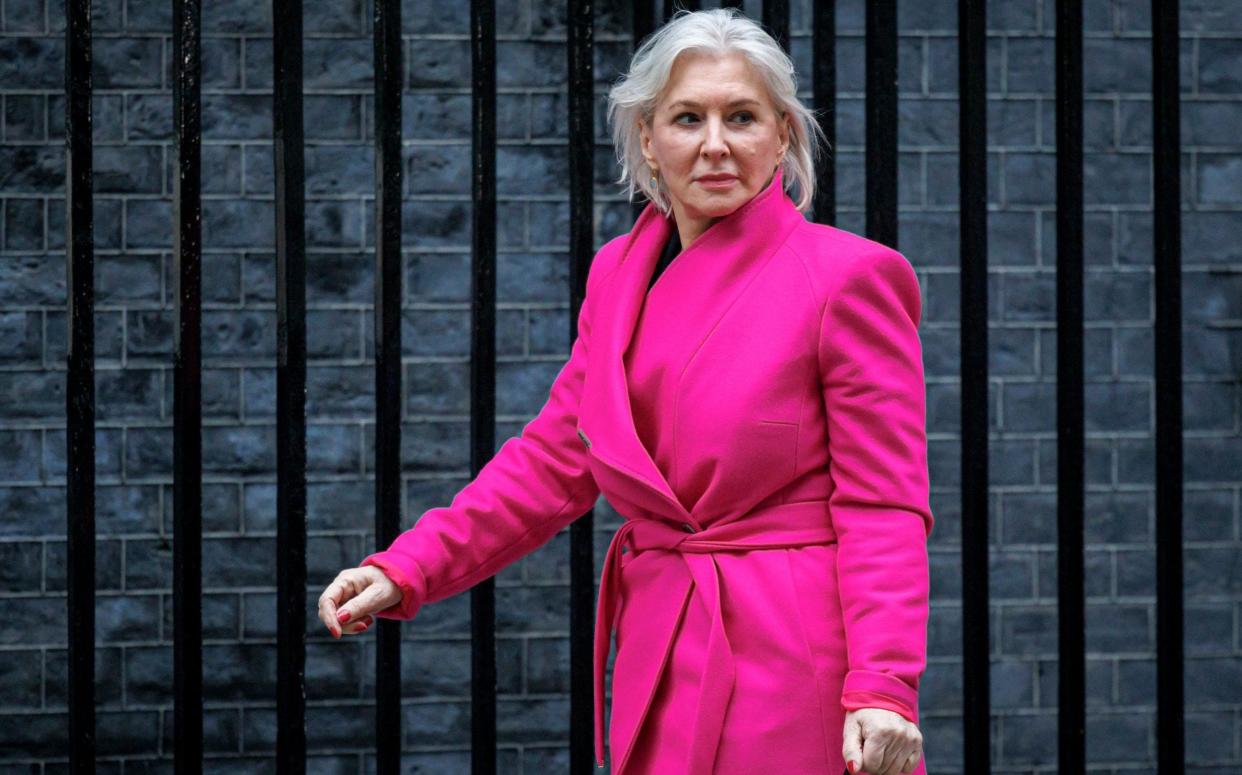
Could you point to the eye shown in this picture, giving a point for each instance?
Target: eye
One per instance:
(749, 117)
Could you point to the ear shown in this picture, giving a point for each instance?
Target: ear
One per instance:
(644, 142)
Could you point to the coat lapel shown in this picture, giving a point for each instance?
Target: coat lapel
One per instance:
(743, 237)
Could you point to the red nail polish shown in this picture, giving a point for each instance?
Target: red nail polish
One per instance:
(850, 765)
(342, 616)
(363, 628)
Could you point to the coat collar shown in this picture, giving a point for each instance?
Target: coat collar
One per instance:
(729, 249)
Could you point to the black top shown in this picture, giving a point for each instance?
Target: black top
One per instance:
(671, 248)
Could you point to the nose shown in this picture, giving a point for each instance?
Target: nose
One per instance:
(714, 143)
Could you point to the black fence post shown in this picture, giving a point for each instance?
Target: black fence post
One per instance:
(388, 285)
(1071, 664)
(581, 47)
(973, 176)
(1167, 225)
(80, 386)
(824, 100)
(483, 358)
(290, 387)
(881, 111)
(187, 393)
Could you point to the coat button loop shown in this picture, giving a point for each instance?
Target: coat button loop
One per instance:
(686, 526)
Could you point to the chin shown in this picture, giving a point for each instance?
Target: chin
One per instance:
(716, 207)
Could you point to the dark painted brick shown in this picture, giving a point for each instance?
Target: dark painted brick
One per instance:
(107, 565)
(136, 288)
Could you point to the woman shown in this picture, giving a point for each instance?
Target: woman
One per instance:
(756, 414)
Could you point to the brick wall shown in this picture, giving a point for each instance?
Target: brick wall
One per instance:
(134, 336)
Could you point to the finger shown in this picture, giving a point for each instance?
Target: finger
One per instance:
(895, 754)
(851, 746)
(883, 758)
(888, 765)
(339, 591)
(366, 602)
(327, 612)
(873, 756)
(902, 757)
(356, 627)
(912, 761)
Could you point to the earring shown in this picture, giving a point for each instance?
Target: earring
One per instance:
(655, 181)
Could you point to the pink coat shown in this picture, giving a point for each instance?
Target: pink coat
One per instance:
(759, 420)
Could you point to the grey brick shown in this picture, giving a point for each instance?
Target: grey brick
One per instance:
(21, 567)
(239, 671)
(223, 170)
(1025, 739)
(239, 223)
(1029, 65)
(546, 657)
(24, 224)
(108, 446)
(434, 333)
(107, 677)
(1214, 518)
(1012, 684)
(32, 512)
(108, 338)
(437, 169)
(121, 63)
(147, 224)
(510, 671)
(237, 16)
(127, 395)
(1218, 178)
(149, 116)
(530, 720)
(19, 455)
(1212, 680)
(1209, 629)
(120, 618)
(334, 117)
(31, 280)
(136, 291)
(23, 685)
(326, 555)
(237, 116)
(148, 564)
(39, 735)
(440, 723)
(25, 117)
(134, 169)
(260, 615)
(28, 62)
(1218, 66)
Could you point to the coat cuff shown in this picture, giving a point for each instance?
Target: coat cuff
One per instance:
(408, 578)
(871, 689)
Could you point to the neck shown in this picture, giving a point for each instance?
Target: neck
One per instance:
(690, 228)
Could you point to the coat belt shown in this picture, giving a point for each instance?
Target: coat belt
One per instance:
(781, 526)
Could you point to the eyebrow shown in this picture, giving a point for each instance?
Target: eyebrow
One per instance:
(693, 104)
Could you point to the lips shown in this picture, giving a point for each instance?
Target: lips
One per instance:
(717, 178)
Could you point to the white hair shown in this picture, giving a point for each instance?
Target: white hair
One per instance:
(716, 32)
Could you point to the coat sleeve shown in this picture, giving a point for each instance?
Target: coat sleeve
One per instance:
(871, 367)
(536, 484)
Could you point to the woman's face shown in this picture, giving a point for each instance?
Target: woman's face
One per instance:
(714, 119)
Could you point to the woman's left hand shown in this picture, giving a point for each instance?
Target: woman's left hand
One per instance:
(879, 741)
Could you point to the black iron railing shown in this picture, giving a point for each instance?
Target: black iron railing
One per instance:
(881, 224)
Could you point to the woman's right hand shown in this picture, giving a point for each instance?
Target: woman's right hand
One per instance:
(356, 594)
